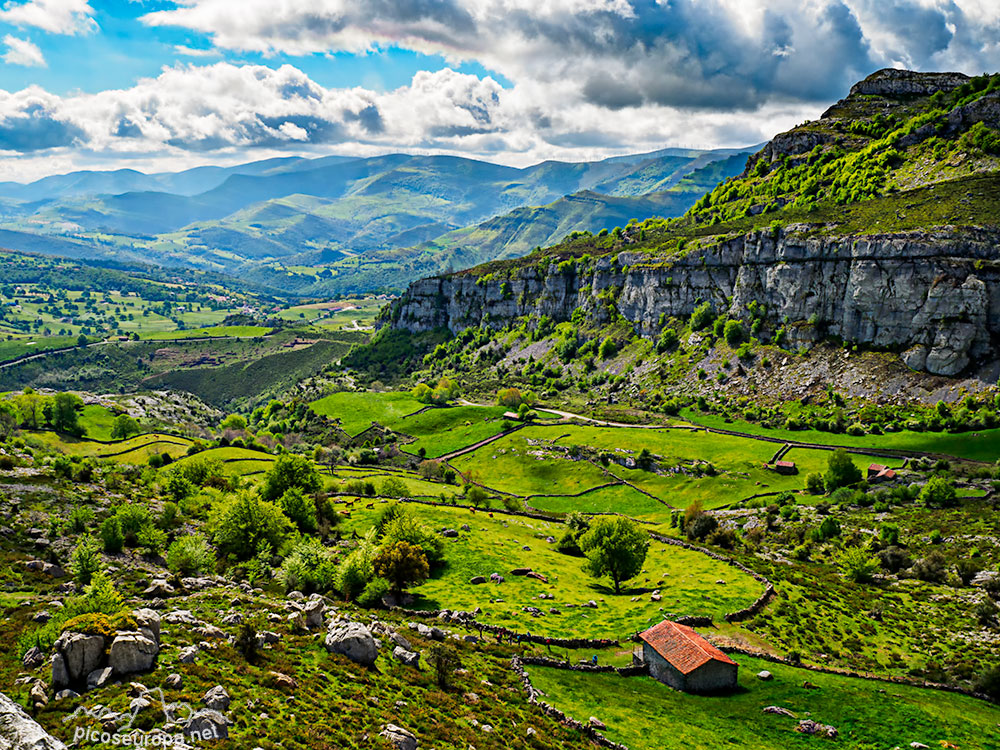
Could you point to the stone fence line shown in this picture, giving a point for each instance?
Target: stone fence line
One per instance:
(533, 697)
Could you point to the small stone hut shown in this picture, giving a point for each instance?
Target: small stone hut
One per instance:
(677, 656)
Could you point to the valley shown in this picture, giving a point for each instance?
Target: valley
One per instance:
(514, 455)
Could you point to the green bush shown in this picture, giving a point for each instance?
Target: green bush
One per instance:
(85, 560)
(308, 568)
(247, 525)
(112, 536)
(290, 471)
(702, 316)
(857, 565)
(374, 592)
(841, 471)
(733, 333)
(190, 555)
(938, 493)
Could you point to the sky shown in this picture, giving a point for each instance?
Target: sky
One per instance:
(162, 85)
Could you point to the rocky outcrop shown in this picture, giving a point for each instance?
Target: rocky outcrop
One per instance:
(18, 731)
(894, 83)
(85, 659)
(933, 295)
(353, 640)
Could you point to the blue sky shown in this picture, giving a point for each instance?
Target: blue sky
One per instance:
(158, 84)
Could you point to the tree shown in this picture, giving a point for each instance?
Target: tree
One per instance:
(8, 419)
(190, 555)
(66, 413)
(938, 493)
(123, 426)
(402, 564)
(30, 409)
(85, 560)
(702, 316)
(248, 525)
(299, 508)
(289, 471)
(81, 340)
(615, 547)
(509, 397)
(235, 422)
(840, 471)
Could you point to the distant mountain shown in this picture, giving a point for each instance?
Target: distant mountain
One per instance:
(341, 223)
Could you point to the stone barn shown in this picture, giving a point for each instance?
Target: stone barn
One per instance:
(677, 656)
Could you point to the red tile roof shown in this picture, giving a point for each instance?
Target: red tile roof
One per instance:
(682, 646)
(876, 468)
(788, 464)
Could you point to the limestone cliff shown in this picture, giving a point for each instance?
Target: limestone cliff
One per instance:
(933, 296)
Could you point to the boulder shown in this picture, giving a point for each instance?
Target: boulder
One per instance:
(400, 641)
(158, 589)
(313, 611)
(132, 652)
(99, 678)
(596, 723)
(449, 533)
(33, 658)
(217, 699)
(476, 580)
(18, 731)
(353, 640)
(282, 681)
(399, 738)
(520, 571)
(83, 654)
(409, 658)
(187, 655)
(207, 724)
(60, 675)
(764, 675)
(173, 681)
(808, 726)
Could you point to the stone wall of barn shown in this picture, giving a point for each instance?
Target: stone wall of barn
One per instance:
(662, 670)
(712, 677)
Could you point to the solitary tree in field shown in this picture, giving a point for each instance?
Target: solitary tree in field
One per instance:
(616, 548)
(402, 564)
(65, 413)
(123, 427)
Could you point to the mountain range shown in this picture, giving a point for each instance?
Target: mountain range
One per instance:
(340, 224)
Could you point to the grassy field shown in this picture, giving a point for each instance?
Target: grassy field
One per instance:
(134, 450)
(646, 715)
(357, 410)
(212, 331)
(982, 445)
(687, 580)
(622, 498)
(415, 485)
(441, 431)
(18, 346)
(527, 463)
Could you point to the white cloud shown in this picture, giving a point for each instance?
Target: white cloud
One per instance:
(185, 51)
(23, 52)
(55, 16)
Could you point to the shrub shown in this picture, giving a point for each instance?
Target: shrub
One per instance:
(701, 316)
(247, 525)
(828, 529)
(374, 592)
(857, 565)
(79, 518)
(608, 349)
(309, 567)
(894, 559)
(190, 555)
(701, 526)
(393, 487)
(930, 568)
(733, 332)
(988, 683)
(112, 536)
(356, 571)
(444, 660)
(967, 570)
(938, 493)
(814, 483)
(151, 539)
(668, 340)
(85, 560)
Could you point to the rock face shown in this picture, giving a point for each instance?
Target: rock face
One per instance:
(77, 655)
(934, 295)
(18, 731)
(353, 640)
(132, 652)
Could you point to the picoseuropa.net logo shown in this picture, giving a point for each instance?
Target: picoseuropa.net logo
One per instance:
(177, 714)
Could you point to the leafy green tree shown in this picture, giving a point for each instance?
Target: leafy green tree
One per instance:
(248, 525)
(615, 547)
(668, 340)
(608, 349)
(309, 568)
(290, 471)
(840, 471)
(300, 508)
(938, 493)
(814, 483)
(8, 419)
(30, 409)
(112, 536)
(404, 528)
(235, 422)
(402, 564)
(123, 426)
(510, 397)
(66, 413)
